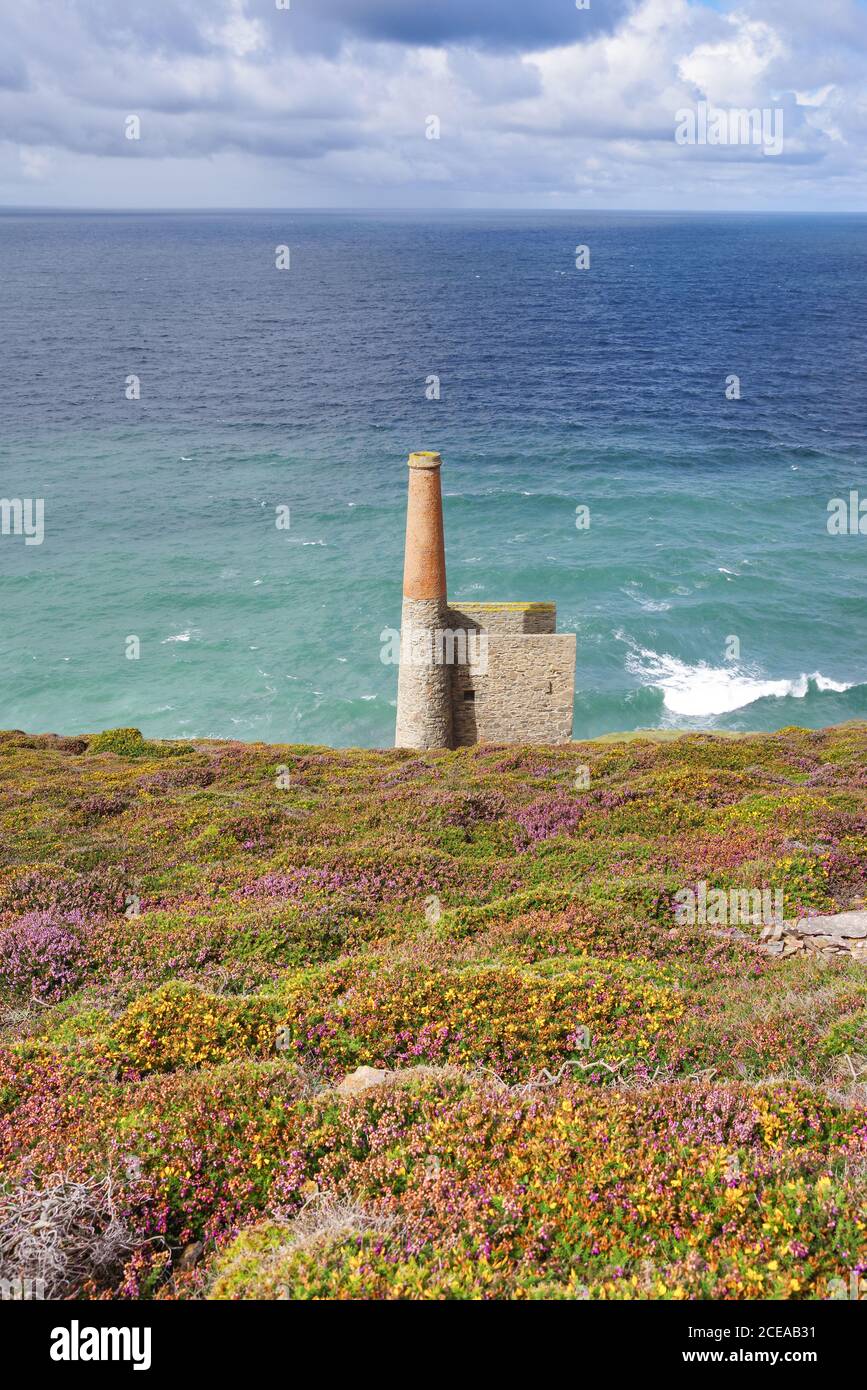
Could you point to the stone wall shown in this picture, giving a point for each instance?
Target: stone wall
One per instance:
(505, 617)
(424, 687)
(525, 695)
(511, 679)
(832, 937)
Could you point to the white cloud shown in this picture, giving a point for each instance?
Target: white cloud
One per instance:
(732, 70)
(35, 163)
(235, 32)
(337, 114)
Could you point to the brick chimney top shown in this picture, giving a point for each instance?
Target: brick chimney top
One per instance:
(424, 571)
(425, 458)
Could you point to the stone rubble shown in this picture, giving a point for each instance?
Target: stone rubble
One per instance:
(832, 938)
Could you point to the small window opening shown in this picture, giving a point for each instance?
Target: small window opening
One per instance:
(469, 695)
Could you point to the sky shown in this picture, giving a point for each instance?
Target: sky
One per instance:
(430, 103)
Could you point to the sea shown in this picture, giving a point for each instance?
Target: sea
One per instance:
(652, 419)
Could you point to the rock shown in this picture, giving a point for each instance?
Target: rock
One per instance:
(848, 924)
(62, 743)
(362, 1079)
(190, 1256)
(827, 938)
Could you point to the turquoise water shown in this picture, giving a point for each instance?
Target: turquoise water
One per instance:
(306, 389)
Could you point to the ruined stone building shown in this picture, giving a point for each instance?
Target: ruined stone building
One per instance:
(472, 672)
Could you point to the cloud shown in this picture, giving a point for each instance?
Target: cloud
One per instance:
(729, 69)
(500, 25)
(35, 163)
(329, 100)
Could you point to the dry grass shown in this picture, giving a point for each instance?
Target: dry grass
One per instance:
(61, 1235)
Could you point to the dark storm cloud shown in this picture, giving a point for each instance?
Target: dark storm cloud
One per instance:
(496, 24)
(187, 26)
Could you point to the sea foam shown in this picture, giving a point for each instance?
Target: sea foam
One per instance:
(701, 689)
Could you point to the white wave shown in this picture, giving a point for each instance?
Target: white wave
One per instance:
(179, 637)
(699, 690)
(650, 605)
(825, 683)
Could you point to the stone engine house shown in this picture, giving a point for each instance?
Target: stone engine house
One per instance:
(472, 672)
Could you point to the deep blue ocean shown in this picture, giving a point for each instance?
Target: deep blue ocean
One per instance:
(306, 388)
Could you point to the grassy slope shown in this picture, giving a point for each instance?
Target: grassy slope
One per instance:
(197, 942)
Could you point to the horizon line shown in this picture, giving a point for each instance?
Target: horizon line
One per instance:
(432, 208)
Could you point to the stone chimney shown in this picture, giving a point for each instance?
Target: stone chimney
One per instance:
(424, 687)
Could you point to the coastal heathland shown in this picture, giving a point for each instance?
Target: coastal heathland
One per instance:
(574, 1093)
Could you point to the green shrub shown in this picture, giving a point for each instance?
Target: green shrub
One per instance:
(129, 743)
